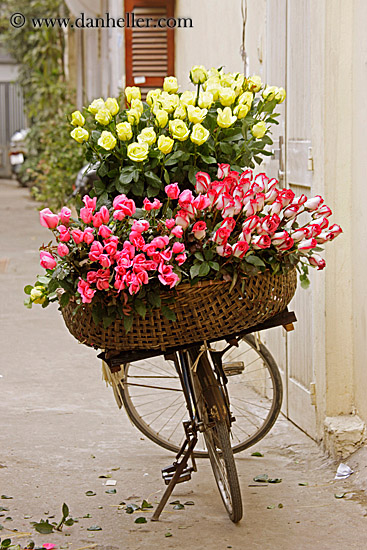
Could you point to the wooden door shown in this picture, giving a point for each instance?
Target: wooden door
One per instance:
(288, 65)
(149, 51)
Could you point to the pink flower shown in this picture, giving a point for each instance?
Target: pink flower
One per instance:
(92, 277)
(104, 231)
(286, 244)
(77, 235)
(170, 223)
(85, 291)
(177, 248)
(240, 248)
(291, 211)
(182, 218)
(299, 200)
(286, 196)
(86, 214)
(148, 206)
(199, 230)
(323, 211)
(88, 235)
(317, 261)
(104, 260)
(279, 238)
(140, 226)
(261, 241)
(201, 202)
(62, 249)
(269, 224)
(90, 203)
(167, 275)
(224, 250)
(223, 170)
(123, 207)
(299, 234)
(202, 182)
(312, 230)
(221, 235)
(49, 546)
(48, 218)
(64, 235)
(271, 195)
(177, 231)
(47, 260)
(95, 251)
(111, 245)
(307, 244)
(186, 199)
(181, 258)
(172, 190)
(130, 249)
(156, 204)
(228, 223)
(334, 231)
(276, 207)
(324, 223)
(313, 203)
(250, 208)
(250, 223)
(166, 255)
(64, 215)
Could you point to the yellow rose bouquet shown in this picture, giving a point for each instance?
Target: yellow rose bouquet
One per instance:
(141, 146)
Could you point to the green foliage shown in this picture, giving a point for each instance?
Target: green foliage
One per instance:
(52, 162)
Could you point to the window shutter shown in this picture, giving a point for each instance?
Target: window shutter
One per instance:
(149, 51)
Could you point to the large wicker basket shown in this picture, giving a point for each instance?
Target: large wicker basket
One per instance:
(204, 311)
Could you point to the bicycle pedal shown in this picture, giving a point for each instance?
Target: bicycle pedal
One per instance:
(168, 473)
(233, 368)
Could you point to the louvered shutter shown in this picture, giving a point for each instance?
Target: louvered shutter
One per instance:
(149, 51)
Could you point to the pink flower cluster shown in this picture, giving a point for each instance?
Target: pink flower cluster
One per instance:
(115, 265)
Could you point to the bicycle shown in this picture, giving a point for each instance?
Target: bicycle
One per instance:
(201, 378)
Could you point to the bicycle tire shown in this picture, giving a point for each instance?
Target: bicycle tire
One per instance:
(264, 414)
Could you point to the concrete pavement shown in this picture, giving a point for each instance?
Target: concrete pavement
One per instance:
(60, 430)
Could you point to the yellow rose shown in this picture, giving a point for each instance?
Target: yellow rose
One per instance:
(187, 98)
(170, 84)
(124, 131)
(225, 118)
(147, 135)
(205, 100)
(198, 74)
(254, 83)
(103, 116)
(213, 86)
(96, 105)
(137, 151)
(132, 92)
(178, 129)
(199, 134)
(258, 131)
(227, 96)
(246, 99)
(152, 96)
(79, 134)
(77, 119)
(180, 112)
(241, 110)
(280, 95)
(37, 296)
(112, 105)
(133, 116)
(269, 93)
(196, 114)
(137, 105)
(161, 118)
(165, 144)
(213, 72)
(239, 79)
(107, 140)
(226, 80)
(169, 102)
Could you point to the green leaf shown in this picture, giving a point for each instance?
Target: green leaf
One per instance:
(102, 200)
(128, 323)
(5, 497)
(189, 503)
(214, 265)
(199, 256)
(305, 283)
(168, 534)
(4, 509)
(69, 522)
(28, 289)
(99, 187)
(191, 174)
(145, 505)
(123, 187)
(194, 270)
(340, 495)
(153, 179)
(262, 478)
(303, 483)
(64, 299)
(179, 507)
(43, 527)
(257, 453)
(209, 159)
(138, 188)
(168, 313)
(111, 491)
(274, 480)
(90, 494)
(154, 299)
(141, 519)
(254, 260)
(127, 174)
(94, 528)
(204, 269)
(166, 177)
(107, 321)
(226, 148)
(65, 510)
(131, 508)
(175, 157)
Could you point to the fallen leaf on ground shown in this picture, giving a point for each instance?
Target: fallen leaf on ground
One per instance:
(257, 453)
(90, 493)
(340, 495)
(141, 519)
(94, 528)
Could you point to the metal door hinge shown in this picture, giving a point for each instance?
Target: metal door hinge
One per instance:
(313, 393)
(310, 159)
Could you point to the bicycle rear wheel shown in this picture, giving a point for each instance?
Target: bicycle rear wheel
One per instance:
(153, 399)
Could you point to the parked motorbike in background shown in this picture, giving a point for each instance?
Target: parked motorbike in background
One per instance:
(17, 152)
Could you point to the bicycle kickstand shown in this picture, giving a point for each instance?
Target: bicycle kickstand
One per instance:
(180, 469)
